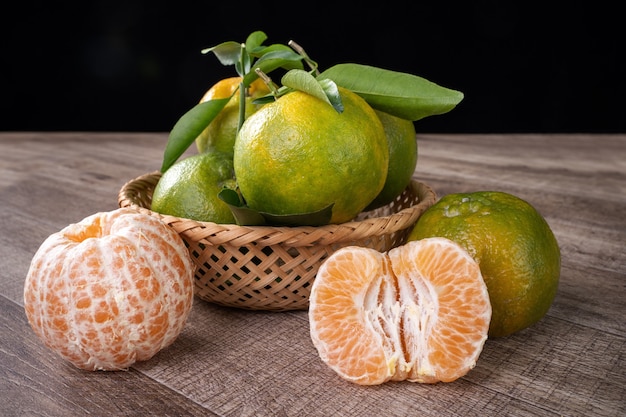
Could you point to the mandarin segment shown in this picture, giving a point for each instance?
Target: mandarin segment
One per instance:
(419, 312)
(346, 299)
(456, 303)
(111, 290)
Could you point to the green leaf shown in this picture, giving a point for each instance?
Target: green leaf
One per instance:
(270, 61)
(237, 54)
(325, 90)
(261, 50)
(400, 94)
(242, 214)
(188, 127)
(255, 40)
(287, 59)
(317, 218)
(264, 100)
(303, 81)
(227, 52)
(245, 216)
(332, 92)
(230, 197)
(244, 64)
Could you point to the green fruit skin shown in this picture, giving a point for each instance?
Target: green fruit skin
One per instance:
(402, 143)
(221, 133)
(190, 188)
(519, 258)
(301, 169)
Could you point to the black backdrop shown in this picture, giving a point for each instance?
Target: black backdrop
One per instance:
(137, 66)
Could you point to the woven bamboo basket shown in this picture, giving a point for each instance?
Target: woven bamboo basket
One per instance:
(273, 268)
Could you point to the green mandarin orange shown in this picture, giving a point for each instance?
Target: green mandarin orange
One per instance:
(518, 254)
(299, 155)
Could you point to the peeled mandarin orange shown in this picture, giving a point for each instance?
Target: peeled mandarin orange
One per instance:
(419, 312)
(110, 290)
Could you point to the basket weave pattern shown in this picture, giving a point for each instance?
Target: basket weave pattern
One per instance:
(272, 268)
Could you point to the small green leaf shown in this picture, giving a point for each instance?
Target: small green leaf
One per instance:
(325, 90)
(245, 216)
(242, 214)
(261, 50)
(230, 197)
(227, 52)
(244, 64)
(400, 94)
(332, 92)
(272, 60)
(188, 127)
(264, 100)
(303, 81)
(317, 218)
(255, 40)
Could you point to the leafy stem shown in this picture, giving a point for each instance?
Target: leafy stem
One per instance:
(247, 58)
(402, 95)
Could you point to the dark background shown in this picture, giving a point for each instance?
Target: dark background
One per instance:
(137, 66)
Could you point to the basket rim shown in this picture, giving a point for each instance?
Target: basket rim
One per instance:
(258, 233)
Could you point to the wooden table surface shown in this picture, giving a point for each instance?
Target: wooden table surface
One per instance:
(230, 362)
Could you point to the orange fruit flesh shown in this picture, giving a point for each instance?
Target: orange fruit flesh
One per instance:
(419, 312)
(111, 290)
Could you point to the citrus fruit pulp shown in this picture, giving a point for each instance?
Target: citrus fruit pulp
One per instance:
(110, 290)
(190, 188)
(419, 312)
(298, 155)
(517, 252)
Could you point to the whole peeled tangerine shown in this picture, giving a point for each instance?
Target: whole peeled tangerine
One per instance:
(113, 289)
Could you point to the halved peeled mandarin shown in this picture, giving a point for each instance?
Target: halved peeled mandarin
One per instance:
(419, 312)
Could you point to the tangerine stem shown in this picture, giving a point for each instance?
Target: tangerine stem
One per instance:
(242, 104)
(300, 50)
(267, 80)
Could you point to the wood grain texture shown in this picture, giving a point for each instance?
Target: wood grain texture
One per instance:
(231, 362)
